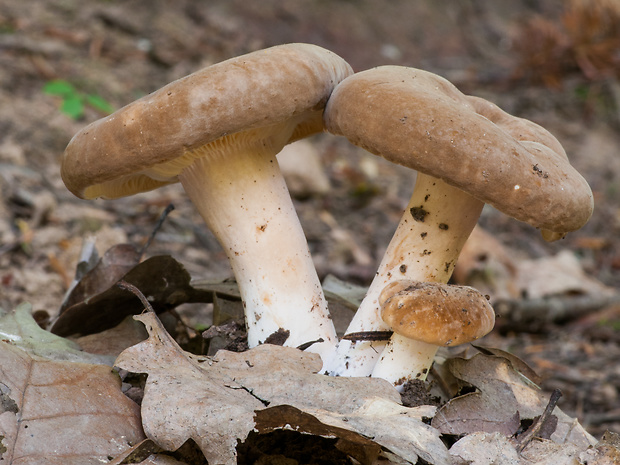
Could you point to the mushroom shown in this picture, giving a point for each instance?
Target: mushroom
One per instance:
(467, 152)
(431, 315)
(218, 131)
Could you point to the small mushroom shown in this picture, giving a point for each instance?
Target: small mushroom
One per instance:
(467, 152)
(218, 131)
(431, 315)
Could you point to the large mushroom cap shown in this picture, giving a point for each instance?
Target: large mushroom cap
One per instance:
(113, 157)
(420, 120)
(435, 313)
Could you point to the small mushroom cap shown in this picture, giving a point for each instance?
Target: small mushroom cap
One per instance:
(285, 85)
(435, 313)
(420, 120)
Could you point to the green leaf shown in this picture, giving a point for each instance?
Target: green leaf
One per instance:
(19, 328)
(72, 106)
(99, 103)
(59, 87)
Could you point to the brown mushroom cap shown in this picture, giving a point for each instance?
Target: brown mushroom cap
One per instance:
(262, 89)
(435, 313)
(420, 120)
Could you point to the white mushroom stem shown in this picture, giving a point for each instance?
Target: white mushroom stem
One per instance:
(404, 359)
(245, 202)
(425, 247)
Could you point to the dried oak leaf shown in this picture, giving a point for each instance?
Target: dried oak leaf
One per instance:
(217, 401)
(494, 448)
(481, 448)
(161, 278)
(502, 392)
(59, 405)
(561, 274)
(606, 451)
(116, 261)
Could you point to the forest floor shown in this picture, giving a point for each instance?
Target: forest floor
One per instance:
(525, 58)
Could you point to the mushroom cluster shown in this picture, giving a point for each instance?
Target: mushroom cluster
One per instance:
(467, 153)
(218, 131)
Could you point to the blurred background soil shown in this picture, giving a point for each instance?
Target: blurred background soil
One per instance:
(554, 62)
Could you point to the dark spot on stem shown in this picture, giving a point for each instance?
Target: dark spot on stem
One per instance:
(418, 213)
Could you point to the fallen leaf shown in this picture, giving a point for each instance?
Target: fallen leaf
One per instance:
(606, 451)
(137, 453)
(494, 448)
(159, 459)
(217, 401)
(343, 301)
(59, 405)
(486, 264)
(350, 294)
(495, 269)
(398, 429)
(480, 411)
(226, 289)
(502, 392)
(147, 452)
(481, 448)
(180, 402)
(546, 452)
(560, 274)
(21, 330)
(116, 261)
(515, 361)
(113, 341)
(358, 446)
(162, 279)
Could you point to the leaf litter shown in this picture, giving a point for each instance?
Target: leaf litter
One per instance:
(59, 404)
(216, 400)
(502, 396)
(223, 401)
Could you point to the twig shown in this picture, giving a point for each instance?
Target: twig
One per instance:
(87, 261)
(538, 424)
(600, 418)
(305, 345)
(553, 309)
(131, 288)
(156, 228)
(368, 336)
